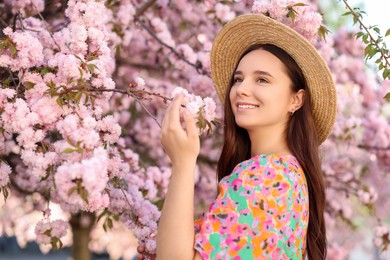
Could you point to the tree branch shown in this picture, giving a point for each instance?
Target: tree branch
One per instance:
(199, 68)
(362, 26)
(140, 11)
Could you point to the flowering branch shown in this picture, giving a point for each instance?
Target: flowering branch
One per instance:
(137, 15)
(143, 8)
(373, 45)
(197, 66)
(43, 20)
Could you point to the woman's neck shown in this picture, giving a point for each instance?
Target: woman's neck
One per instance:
(268, 140)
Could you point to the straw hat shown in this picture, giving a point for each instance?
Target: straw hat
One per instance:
(247, 30)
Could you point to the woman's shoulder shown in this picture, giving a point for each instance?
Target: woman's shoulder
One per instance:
(274, 160)
(271, 167)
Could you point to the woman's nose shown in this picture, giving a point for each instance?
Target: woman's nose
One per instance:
(243, 88)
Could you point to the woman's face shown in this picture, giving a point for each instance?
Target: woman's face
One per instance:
(261, 94)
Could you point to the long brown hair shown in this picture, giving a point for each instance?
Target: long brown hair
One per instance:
(302, 141)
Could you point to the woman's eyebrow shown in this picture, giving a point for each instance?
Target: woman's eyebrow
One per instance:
(260, 72)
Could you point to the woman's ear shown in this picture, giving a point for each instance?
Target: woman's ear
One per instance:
(298, 99)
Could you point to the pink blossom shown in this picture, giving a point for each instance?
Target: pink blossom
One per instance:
(5, 94)
(68, 125)
(91, 13)
(140, 82)
(117, 168)
(77, 41)
(28, 137)
(5, 171)
(93, 177)
(26, 6)
(200, 109)
(68, 66)
(110, 129)
(307, 20)
(37, 162)
(223, 12)
(46, 231)
(125, 14)
(28, 52)
(187, 52)
(18, 116)
(47, 109)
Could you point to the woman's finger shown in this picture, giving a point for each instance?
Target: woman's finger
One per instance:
(173, 113)
(176, 102)
(192, 130)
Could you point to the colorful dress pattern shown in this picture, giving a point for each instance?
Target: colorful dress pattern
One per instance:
(261, 212)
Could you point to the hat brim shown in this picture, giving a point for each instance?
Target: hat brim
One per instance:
(246, 30)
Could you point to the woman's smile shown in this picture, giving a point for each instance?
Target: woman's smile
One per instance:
(244, 106)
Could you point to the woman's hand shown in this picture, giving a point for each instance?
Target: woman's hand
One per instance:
(182, 146)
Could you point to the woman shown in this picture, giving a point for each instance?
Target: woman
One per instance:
(280, 104)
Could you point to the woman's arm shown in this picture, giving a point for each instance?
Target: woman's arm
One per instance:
(175, 236)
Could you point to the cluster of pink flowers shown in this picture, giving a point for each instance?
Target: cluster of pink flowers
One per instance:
(82, 184)
(26, 6)
(224, 12)
(28, 51)
(47, 231)
(202, 109)
(306, 21)
(5, 171)
(382, 237)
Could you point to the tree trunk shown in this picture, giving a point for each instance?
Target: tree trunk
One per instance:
(81, 227)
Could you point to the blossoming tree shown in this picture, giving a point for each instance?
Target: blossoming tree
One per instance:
(80, 150)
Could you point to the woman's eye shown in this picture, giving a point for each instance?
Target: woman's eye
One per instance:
(262, 80)
(236, 80)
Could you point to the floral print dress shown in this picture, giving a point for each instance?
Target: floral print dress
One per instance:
(261, 212)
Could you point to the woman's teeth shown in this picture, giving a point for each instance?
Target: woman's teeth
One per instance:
(247, 106)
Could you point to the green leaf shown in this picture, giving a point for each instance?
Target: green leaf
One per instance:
(12, 49)
(78, 97)
(81, 73)
(355, 19)
(291, 14)
(71, 190)
(105, 211)
(29, 85)
(323, 32)
(109, 223)
(47, 232)
(69, 141)
(368, 49)
(3, 45)
(372, 53)
(346, 13)
(387, 96)
(159, 204)
(376, 29)
(68, 150)
(300, 4)
(45, 71)
(365, 38)
(60, 102)
(78, 57)
(387, 32)
(91, 67)
(386, 73)
(84, 194)
(359, 34)
(5, 192)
